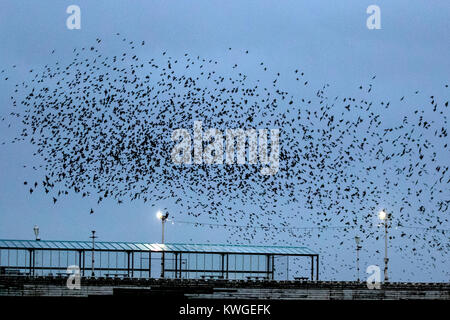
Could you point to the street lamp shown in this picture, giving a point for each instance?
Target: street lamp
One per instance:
(385, 218)
(358, 247)
(93, 250)
(36, 232)
(163, 218)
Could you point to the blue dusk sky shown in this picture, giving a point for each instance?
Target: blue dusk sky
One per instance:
(328, 40)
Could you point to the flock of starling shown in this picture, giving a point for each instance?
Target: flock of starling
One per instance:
(102, 126)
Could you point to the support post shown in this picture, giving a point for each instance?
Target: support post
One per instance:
(228, 258)
(34, 262)
(132, 264)
(287, 268)
(273, 267)
(128, 263)
(31, 253)
(223, 265)
(181, 264)
(84, 261)
(176, 265)
(79, 259)
(317, 268)
(149, 264)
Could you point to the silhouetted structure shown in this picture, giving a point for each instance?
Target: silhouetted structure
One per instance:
(138, 259)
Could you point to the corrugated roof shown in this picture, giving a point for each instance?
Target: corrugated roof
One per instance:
(154, 247)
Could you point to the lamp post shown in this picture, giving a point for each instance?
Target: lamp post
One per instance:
(36, 232)
(385, 218)
(358, 247)
(163, 218)
(93, 248)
